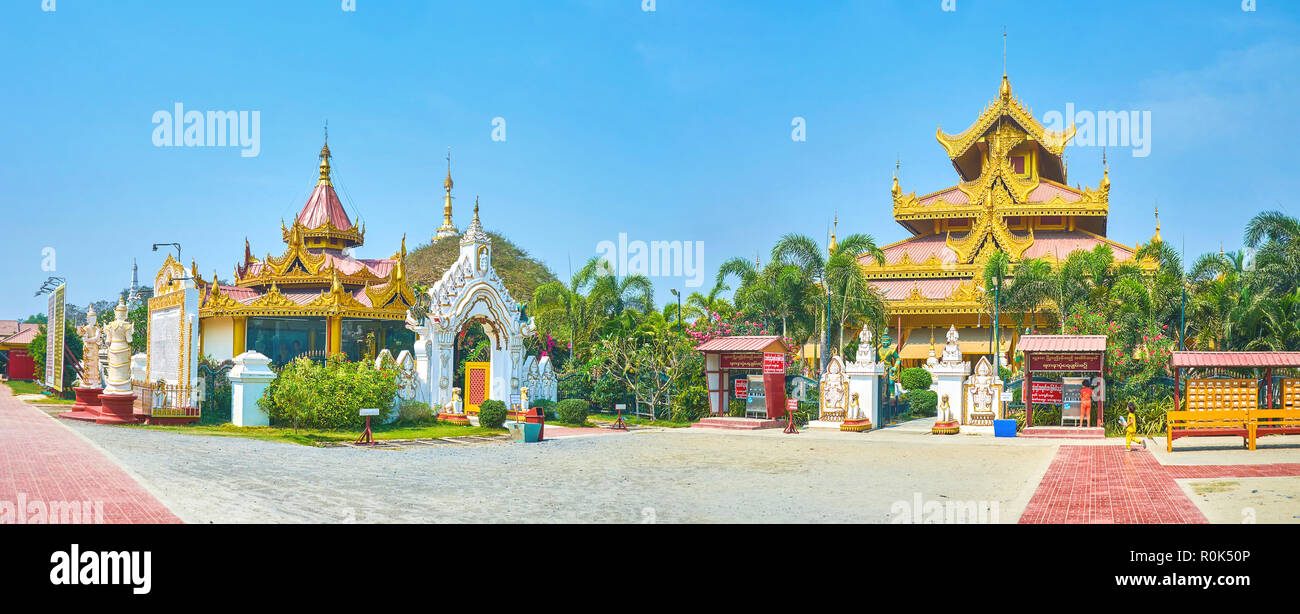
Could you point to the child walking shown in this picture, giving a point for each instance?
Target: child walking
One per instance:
(1130, 429)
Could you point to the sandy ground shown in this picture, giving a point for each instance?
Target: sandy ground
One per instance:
(1246, 500)
(1226, 451)
(671, 475)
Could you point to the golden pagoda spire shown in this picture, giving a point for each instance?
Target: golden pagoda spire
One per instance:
(1105, 171)
(325, 161)
(897, 165)
(830, 249)
(447, 229)
(1156, 237)
(1005, 90)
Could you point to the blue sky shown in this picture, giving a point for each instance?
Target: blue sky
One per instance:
(666, 125)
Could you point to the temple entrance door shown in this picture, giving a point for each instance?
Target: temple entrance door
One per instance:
(478, 378)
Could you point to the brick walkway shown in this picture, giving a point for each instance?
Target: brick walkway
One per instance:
(1105, 484)
(43, 463)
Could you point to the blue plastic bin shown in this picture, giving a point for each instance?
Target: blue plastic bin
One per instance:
(1004, 428)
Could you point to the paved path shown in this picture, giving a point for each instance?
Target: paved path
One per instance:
(52, 472)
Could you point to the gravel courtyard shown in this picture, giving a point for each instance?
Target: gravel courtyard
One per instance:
(669, 476)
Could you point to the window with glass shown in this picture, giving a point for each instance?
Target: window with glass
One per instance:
(284, 339)
(387, 334)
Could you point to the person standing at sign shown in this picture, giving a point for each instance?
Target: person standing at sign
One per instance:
(1085, 405)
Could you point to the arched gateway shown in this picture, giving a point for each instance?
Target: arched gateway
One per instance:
(469, 292)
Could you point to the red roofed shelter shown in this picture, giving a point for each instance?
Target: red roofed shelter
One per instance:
(1061, 354)
(726, 356)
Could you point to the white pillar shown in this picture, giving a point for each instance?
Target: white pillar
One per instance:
(248, 381)
(139, 368)
(948, 379)
(865, 380)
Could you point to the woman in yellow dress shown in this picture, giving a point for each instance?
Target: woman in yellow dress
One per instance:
(1130, 429)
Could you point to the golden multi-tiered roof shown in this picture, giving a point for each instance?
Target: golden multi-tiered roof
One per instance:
(316, 275)
(1011, 196)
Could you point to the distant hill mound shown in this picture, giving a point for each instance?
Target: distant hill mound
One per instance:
(521, 273)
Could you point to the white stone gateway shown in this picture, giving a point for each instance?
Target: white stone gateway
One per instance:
(470, 291)
(950, 372)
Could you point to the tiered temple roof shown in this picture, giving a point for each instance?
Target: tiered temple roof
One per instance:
(316, 275)
(1011, 196)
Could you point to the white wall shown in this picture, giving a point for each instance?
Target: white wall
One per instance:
(219, 337)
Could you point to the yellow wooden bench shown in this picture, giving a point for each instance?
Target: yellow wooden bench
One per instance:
(1284, 421)
(1215, 408)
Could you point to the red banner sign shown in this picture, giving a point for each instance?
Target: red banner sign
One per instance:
(774, 363)
(742, 361)
(1047, 393)
(1063, 361)
(742, 389)
(792, 404)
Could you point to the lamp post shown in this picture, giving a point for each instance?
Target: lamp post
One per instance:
(679, 307)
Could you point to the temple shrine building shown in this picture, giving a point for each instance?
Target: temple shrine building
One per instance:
(315, 299)
(1012, 196)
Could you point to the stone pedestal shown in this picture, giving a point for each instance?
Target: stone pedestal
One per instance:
(865, 381)
(248, 381)
(116, 409)
(87, 406)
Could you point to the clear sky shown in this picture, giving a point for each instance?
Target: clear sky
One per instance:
(667, 125)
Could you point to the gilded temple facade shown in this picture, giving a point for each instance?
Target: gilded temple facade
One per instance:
(315, 299)
(1011, 196)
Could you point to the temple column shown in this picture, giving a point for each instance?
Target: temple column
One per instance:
(241, 334)
(335, 326)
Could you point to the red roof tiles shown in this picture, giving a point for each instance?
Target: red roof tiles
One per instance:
(741, 344)
(324, 206)
(1185, 360)
(1062, 343)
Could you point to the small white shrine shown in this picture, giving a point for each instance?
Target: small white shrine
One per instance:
(850, 392)
(470, 291)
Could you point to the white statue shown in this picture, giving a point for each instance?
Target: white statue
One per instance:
(951, 351)
(523, 399)
(834, 387)
(90, 341)
(453, 407)
(866, 351)
(118, 334)
(945, 410)
(854, 411)
(984, 389)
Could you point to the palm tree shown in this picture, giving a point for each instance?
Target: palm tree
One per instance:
(839, 275)
(1277, 236)
(593, 297)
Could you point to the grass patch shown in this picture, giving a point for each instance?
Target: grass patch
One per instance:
(637, 420)
(25, 387)
(1206, 488)
(308, 437)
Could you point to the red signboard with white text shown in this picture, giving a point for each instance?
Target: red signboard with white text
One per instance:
(742, 389)
(752, 360)
(1063, 361)
(774, 363)
(1046, 393)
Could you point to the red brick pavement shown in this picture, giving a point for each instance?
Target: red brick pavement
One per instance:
(1105, 484)
(43, 462)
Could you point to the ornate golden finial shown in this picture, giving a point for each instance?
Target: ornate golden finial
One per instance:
(476, 207)
(448, 183)
(1105, 171)
(447, 229)
(324, 161)
(1156, 237)
(833, 244)
(898, 163)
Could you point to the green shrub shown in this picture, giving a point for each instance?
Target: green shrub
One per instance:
(736, 408)
(691, 405)
(329, 396)
(923, 402)
(492, 414)
(573, 411)
(915, 378)
(415, 412)
(547, 406)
